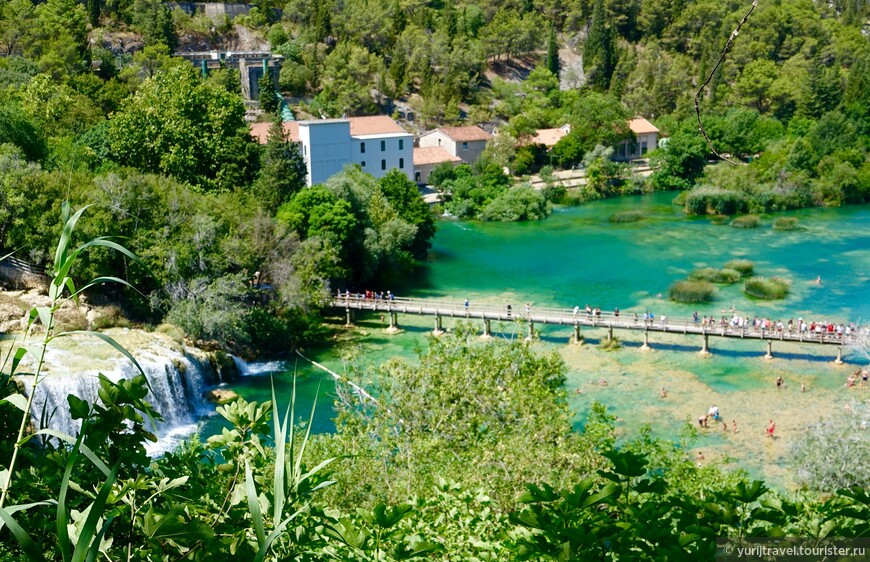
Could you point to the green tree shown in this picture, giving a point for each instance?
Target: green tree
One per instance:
(59, 44)
(153, 20)
(405, 199)
(553, 64)
(268, 96)
(282, 170)
(680, 163)
(599, 51)
(178, 125)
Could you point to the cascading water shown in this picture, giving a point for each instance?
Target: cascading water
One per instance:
(177, 376)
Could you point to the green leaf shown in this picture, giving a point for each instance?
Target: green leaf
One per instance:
(175, 526)
(17, 400)
(27, 545)
(60, 256)
(90, 527)
(78, 408)
(254, 505)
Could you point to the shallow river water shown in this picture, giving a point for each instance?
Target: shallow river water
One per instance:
(577, 257)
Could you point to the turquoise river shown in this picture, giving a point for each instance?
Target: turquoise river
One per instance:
(578, 257)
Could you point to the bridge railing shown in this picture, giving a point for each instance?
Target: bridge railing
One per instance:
(625, 319)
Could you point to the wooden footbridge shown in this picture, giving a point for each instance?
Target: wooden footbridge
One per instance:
(580, 318)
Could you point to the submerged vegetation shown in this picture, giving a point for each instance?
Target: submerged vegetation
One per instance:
(722, 276)
(785, 223)
(692, 291)
(626, 216)
(745, 267)
(746, 221)
(772, 288)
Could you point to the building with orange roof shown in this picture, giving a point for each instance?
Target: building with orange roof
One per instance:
(549, 137)
(426, 158)
(646, 137)
(376, 143)
(466, 143)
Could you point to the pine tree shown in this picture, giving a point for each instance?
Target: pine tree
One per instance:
(94, 12)
(282, 171)
(599, 52)
(268, 99)
(553, 63)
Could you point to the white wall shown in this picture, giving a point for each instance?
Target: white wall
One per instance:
(326, 148)
(437, 138)
(383, 153)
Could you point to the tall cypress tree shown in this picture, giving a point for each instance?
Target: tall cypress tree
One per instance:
(553, 64)
(599, 52)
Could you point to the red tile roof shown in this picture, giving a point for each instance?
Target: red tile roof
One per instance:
(639, 126)
(548, 137)
(433, 155)
(465, 134)
(260, 131)
(374, 125)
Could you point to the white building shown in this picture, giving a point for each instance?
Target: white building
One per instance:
(377, 144)
(646, 138)
(464, 142)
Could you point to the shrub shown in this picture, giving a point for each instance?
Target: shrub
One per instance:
(785, 223)
(715, 201)
(767, 289)
(843, 437)
(691, 291)
(713, 275)
(110, 317)
(626, 216)
(748, 221)
(744, 267)
(517, 204)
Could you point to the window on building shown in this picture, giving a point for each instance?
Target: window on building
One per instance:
(363, 164)
(304, 150)
(383, 146)
(643, 148)
(362, 148)
(383, 164)
(417, 177)
(465, 146)
(401, 144)
(401, 163)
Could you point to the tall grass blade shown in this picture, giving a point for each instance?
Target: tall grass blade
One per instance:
(280, 472)
(298, 467)
(27, 545)
(94, 551)
(254, 505)
(97, 509)
(60, 255)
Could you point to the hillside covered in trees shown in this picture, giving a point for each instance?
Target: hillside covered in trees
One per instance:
(96, 109)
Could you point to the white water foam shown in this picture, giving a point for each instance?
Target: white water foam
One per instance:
(177, 378)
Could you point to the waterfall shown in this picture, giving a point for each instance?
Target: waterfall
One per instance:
(260, 367)
(177, 376)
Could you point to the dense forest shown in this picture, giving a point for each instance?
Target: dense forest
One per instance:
(95, 110)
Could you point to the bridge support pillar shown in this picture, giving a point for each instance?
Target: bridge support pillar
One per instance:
(769, 354)
(839, 359)
(705, 347)
(577, 338)
(487, 331)
(531, 332)
(610, 334)
(348, 313)
(394, 323)
(645, 346)
(439, 329)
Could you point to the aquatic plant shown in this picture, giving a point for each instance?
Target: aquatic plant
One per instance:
(626, 216)
(785, 223)
(746, 221)
(715, 201)
(772, 288)
(722, 276)
(745, 267)
(692, 291)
